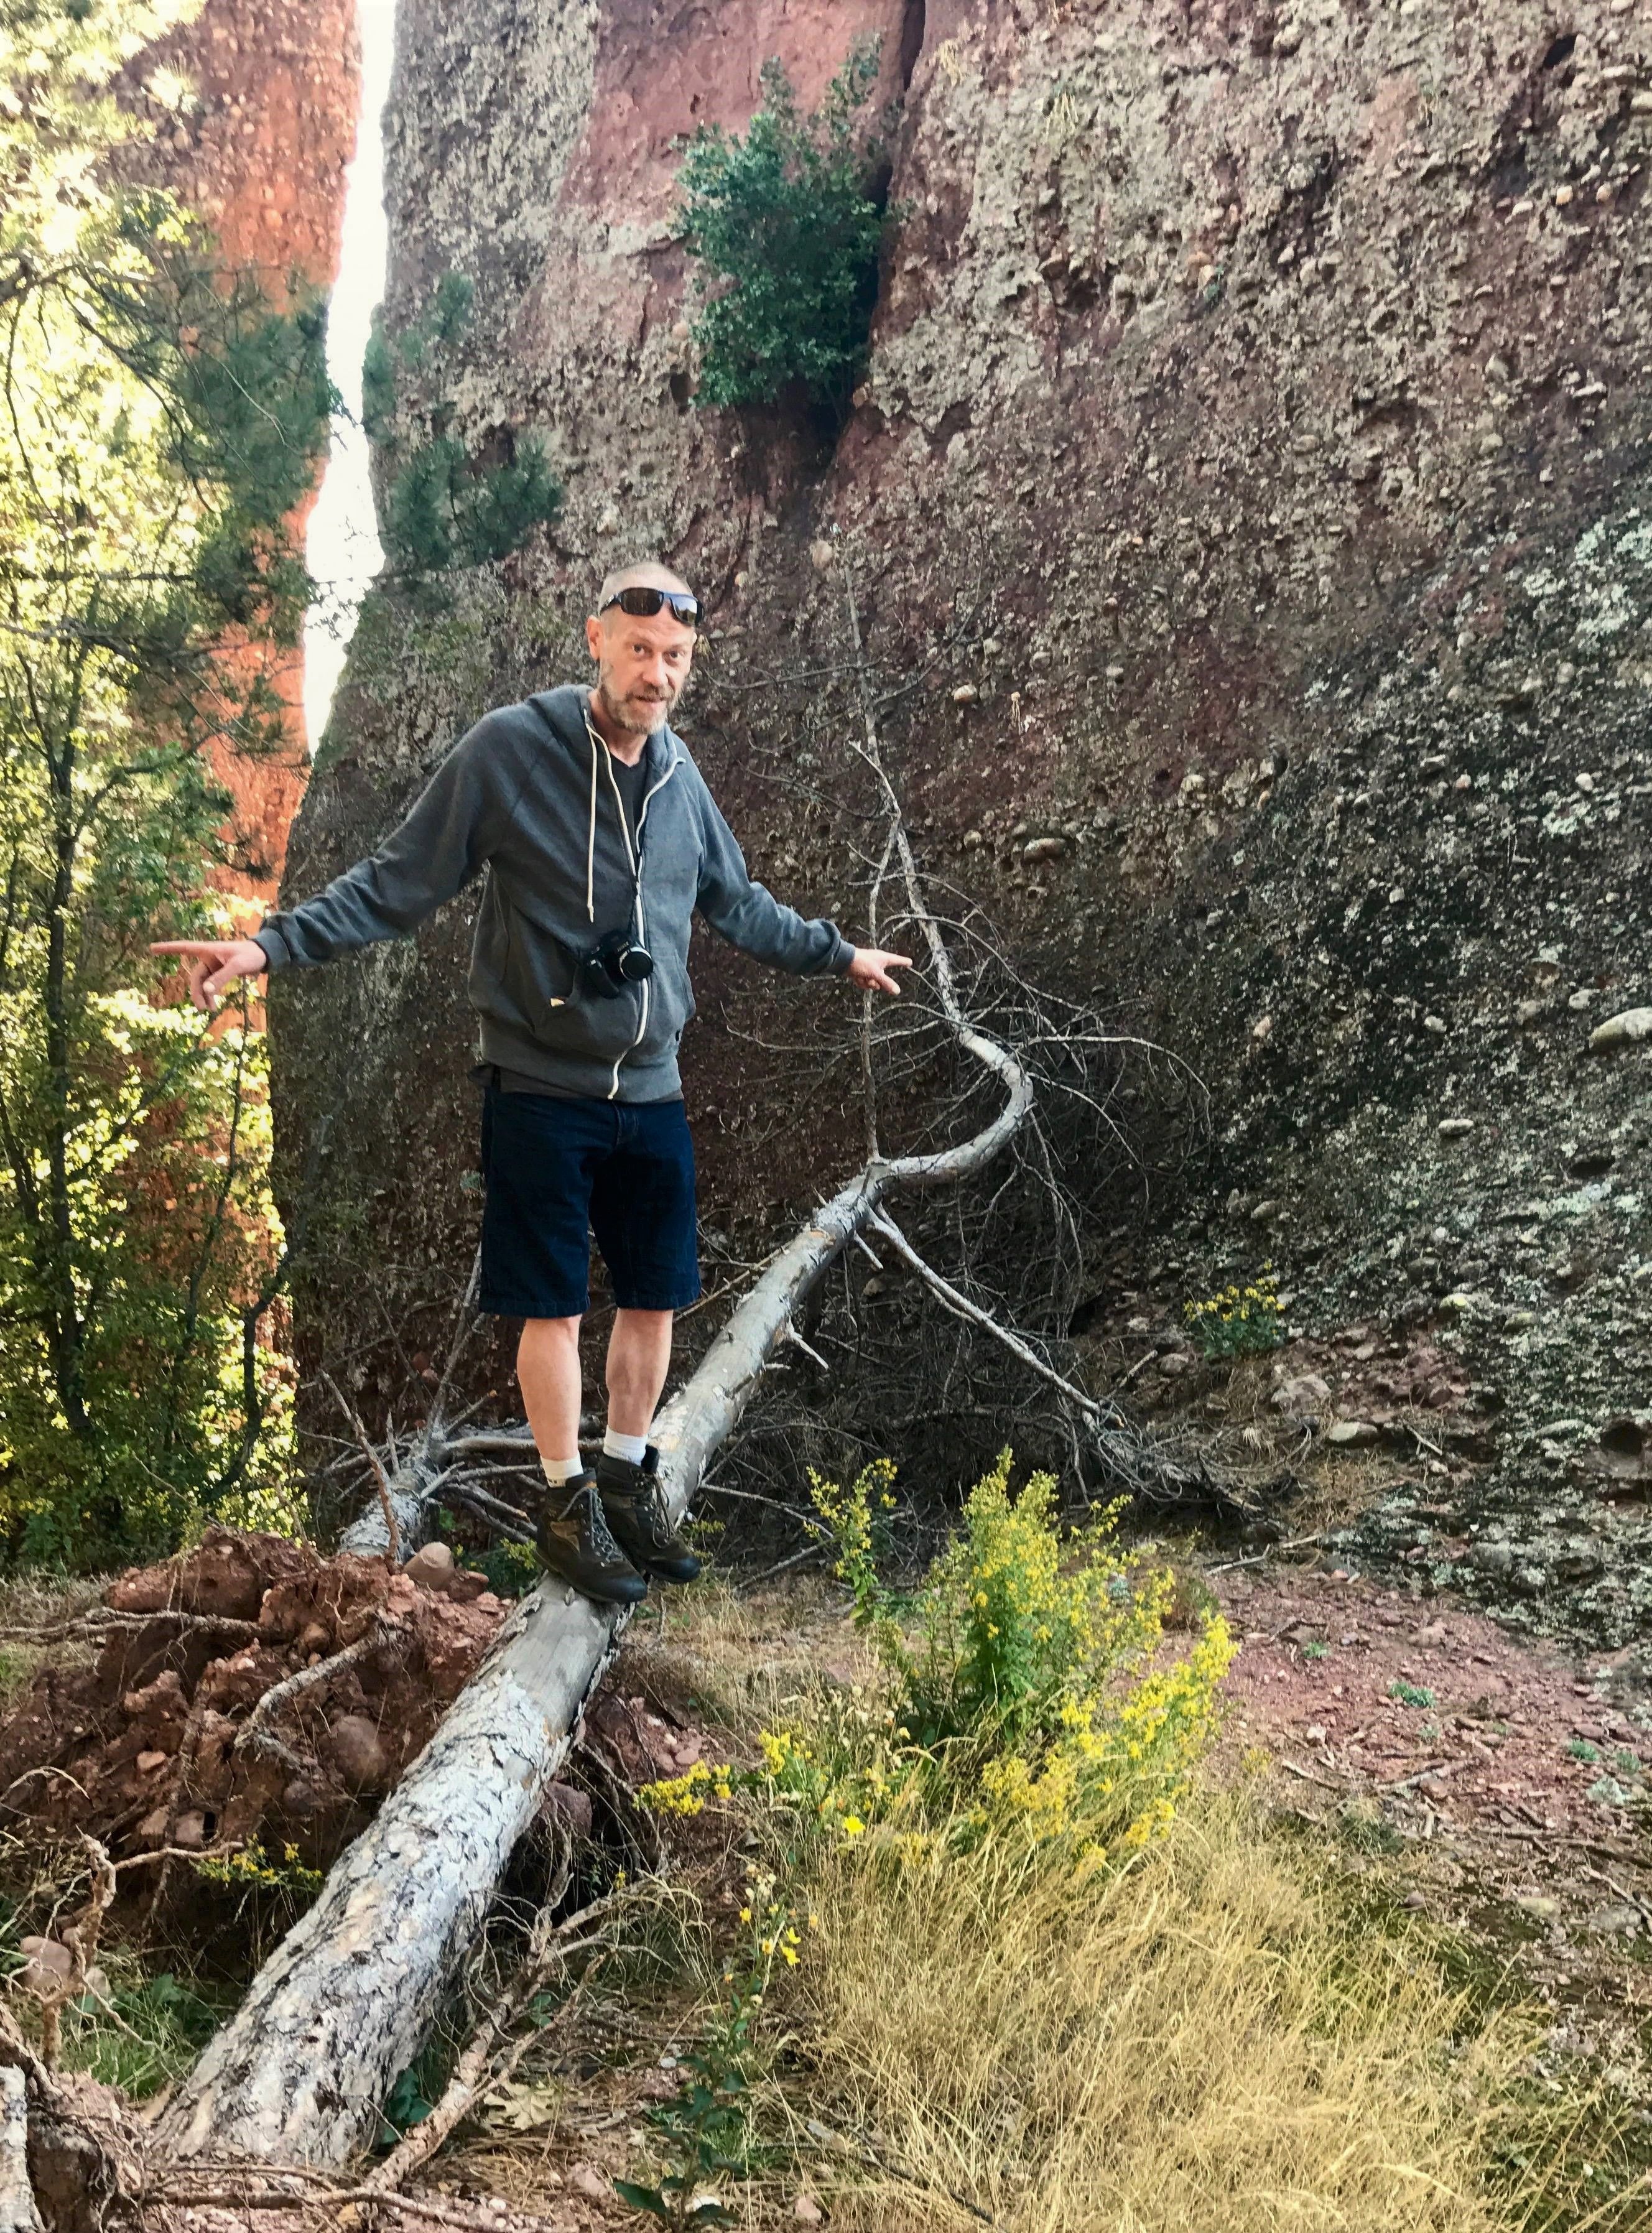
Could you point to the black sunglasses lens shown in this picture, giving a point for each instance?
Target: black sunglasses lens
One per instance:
(642, 605)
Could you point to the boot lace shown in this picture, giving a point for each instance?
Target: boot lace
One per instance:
(587, 1508)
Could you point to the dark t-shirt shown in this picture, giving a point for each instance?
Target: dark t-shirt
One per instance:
(630, 781)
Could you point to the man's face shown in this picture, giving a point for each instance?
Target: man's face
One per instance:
(642, 666)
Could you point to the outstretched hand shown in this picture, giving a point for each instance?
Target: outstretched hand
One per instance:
(216, 965)
(869, 965)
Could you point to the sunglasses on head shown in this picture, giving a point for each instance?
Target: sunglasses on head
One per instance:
(642, 604)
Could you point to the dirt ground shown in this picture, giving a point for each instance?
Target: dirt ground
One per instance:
(1497, 1785)
(1505, 1782)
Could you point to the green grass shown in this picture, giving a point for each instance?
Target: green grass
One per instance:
(147, 2035)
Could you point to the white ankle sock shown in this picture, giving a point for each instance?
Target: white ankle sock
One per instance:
(558, 1470)
(631, 1448)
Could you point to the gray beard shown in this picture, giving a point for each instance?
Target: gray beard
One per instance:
(659, 711)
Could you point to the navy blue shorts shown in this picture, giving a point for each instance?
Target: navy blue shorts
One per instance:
(557, 1172)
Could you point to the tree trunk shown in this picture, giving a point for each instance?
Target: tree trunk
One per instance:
(17, 2211)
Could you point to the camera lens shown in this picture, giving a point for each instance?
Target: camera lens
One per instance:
(634, 964)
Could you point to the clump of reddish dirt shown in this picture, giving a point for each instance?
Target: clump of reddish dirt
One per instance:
(247, 1689)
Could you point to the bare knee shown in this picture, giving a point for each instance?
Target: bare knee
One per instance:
(540, 1335)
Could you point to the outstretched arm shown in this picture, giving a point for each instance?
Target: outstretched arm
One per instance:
(435, 851)
(748, 914)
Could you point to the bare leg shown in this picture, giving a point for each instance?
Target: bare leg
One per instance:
(638, 1355)
(547, 1374)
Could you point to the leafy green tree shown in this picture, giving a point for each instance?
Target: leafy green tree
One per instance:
(159, 418)
(445, 508)
(786, 227)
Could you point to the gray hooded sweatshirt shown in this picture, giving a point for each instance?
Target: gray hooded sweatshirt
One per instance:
(530, 796)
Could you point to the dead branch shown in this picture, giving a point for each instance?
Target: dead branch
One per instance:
(17, 2211)
(80, 1940)
(383, 1635)
(393, 1532)
(550, 1947)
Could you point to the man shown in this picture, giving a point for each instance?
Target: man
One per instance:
(599, 840)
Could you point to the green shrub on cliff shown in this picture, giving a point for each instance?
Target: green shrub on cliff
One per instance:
(785, 226)
(162, 419)
(445, 507)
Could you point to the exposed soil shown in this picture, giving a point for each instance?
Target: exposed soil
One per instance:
(142, 1731)
(1512, 1778)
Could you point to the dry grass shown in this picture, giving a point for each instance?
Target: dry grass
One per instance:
(1198, 2046)
(742, 1655)
(38, 1601)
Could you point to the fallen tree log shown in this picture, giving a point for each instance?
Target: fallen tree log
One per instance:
(299, 2074)
(17, 2211)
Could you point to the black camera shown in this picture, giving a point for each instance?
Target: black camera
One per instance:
(614, 965)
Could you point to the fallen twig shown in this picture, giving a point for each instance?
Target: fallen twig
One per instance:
(392, 1634)
(391, 1530)
(473, 2073)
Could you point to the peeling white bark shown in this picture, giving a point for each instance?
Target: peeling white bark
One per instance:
(17, 2211)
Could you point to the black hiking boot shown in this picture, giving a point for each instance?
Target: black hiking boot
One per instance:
(574, 1543)
(636, 1511)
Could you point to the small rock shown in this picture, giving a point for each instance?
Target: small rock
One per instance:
(1454, 1127)
(315, 1637)
(153, 1828)
(1414, 1901)
(1044, 848)
(571, 1806)
(808, 2211)
(1539, 1906)
(1622, 1030)
(358, 1753)
(164, 1694)
(1174, 1363)
(190, 1831)
(432, 1568)
(586, 2179)
(1262, 1028)
(149, 1761)
(45, 1966)
(973, 840)
(1305, 1392)
(1614, 1918)
(965, 694)
(1347, 1432)
(821, 555)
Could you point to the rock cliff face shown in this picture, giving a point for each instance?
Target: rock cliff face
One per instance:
(257, 141)
(1247, 498)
